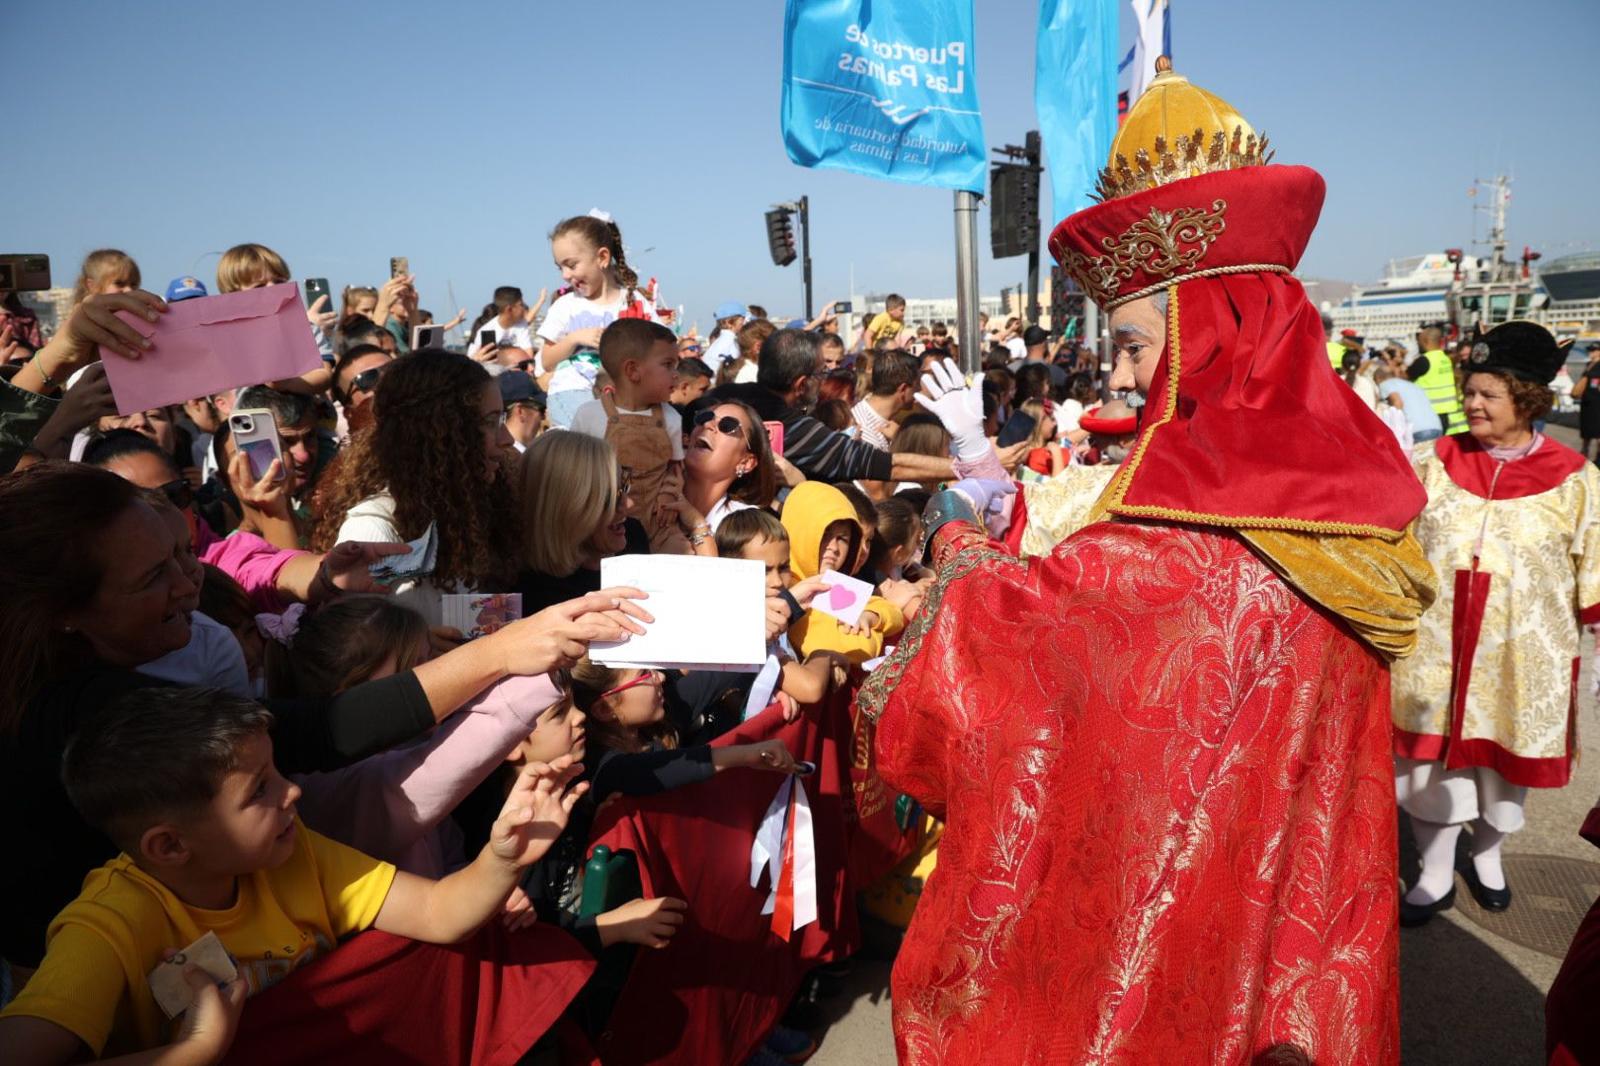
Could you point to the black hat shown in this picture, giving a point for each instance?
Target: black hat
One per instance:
(1525, 350)
(1033, 336)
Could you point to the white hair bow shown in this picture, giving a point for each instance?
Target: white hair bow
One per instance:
(603, 216)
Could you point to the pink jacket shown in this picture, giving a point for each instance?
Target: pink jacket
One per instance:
(394, 805)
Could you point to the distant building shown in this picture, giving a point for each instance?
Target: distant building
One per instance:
(51, 305)
(925, 311)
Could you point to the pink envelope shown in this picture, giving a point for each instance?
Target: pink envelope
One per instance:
(212, 343)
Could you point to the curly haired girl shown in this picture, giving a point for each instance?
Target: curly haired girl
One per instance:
(434, 454)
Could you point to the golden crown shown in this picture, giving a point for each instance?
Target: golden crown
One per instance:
(1177, 130)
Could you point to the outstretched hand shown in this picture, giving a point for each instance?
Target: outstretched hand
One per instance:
(958, 406)
(986, 496)
(806, 591)
(94, 324)
(348, 566)
(558, 636)
(536, 811)
(647, 922)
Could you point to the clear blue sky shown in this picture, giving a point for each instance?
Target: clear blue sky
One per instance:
(456, 134)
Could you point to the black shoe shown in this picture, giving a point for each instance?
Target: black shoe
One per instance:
(1415, 914)
(1490, 899)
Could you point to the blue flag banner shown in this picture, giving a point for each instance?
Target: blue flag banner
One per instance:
(884, 88)
(1075, 93)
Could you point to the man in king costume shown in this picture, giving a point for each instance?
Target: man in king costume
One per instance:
(1162, 750)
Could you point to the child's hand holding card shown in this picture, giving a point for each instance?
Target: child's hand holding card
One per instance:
(845, 598)
(172, 993)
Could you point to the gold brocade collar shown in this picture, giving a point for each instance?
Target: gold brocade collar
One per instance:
(1379, 587)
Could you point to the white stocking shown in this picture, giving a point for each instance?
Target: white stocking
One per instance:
(1486, 841)
(1437, 846)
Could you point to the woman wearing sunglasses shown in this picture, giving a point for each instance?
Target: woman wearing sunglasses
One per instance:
(727, 465)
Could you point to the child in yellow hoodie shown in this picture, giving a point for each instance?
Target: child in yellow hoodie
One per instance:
(824, 534)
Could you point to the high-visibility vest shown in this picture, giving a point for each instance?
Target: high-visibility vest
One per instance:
(1336, 354)
(1439, 382)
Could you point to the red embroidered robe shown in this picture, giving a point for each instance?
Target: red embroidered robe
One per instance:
(1169, 804)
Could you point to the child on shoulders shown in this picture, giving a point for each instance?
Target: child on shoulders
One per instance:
(635, 415)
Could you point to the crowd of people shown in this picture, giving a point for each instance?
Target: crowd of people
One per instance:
(222, 718)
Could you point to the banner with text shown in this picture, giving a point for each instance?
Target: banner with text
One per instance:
(884, 88)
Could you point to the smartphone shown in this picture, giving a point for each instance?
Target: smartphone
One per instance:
(775, 435)
(399, 265)
(843, 307)
(486, 338)
(316, 289)
(26, 272)
(255, 432)
(426, 337)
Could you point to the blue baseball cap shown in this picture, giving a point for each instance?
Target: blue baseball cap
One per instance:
(731, 309)
(518, 386)
(185, 288)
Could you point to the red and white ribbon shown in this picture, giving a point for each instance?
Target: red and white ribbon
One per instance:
(785, 849)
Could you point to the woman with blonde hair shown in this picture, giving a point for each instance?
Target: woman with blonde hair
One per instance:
(575, 512)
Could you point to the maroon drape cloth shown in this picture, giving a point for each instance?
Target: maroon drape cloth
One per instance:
(714, 993)
(1570, 1033)
(385, 998)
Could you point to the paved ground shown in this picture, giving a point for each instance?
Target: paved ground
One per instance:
(1472, 984)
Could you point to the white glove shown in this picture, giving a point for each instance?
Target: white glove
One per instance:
(985, 495)
(958, 406)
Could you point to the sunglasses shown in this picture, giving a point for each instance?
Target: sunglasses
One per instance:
(367, 380)
(179, 493)
(727, 425)
(647, 678)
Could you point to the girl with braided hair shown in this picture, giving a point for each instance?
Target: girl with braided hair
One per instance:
(434, 453)
(602, 288)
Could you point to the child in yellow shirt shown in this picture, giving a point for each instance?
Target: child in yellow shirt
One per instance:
(183, 781)
(825, 534)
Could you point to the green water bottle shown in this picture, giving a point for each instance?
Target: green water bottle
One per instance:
(596, 872)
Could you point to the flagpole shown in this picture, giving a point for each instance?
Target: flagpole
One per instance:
(966, 209)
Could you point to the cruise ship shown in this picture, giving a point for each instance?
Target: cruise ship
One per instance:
(1463, 291)
(1573, 285)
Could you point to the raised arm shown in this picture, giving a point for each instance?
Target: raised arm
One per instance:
(534, 815)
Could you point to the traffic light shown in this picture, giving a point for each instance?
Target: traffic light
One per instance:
(1066, 304)
(780, 236)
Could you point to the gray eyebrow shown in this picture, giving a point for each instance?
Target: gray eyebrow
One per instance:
(1128, 328)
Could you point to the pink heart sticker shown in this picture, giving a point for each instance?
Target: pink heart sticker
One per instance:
(840, 597)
